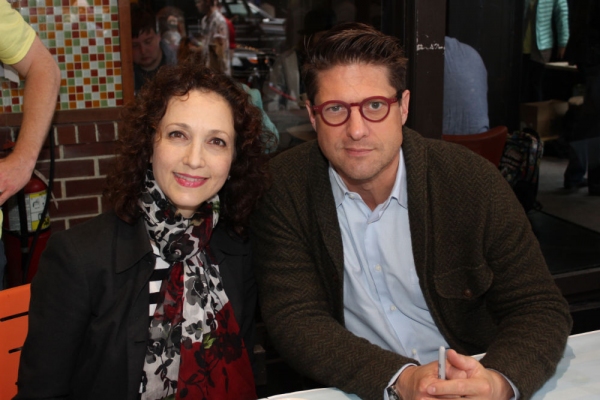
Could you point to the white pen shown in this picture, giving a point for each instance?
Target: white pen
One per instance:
(442, 363)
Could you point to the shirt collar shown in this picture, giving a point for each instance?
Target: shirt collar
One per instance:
(399, 192)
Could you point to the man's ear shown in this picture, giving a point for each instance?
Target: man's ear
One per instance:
(404, 105)
(311, 114)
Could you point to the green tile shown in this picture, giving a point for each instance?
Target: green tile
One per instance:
(87, 96)
(16, 108)
(110, 79)
(70, 82)
(85, 57)
(78, 73)
(76, 42)
(102, 88)
(68, 50)
(100, 49)
(64, 106)
(94, 81)
(63, 90)
(109, 56)
(67, 34)
(101, 65)
(114, 10)
(41, 19)
(103, 103)
(51, 43)
(116, 41)
(119, 95)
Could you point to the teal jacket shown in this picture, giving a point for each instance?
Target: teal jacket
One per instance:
(547, 10)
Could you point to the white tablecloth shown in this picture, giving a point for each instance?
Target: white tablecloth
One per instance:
(577, 376)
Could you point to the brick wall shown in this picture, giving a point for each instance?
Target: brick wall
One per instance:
(83, 155)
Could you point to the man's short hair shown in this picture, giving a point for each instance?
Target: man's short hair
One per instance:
(142, 21)
(354, 43)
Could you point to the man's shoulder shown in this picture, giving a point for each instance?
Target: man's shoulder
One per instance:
(298, 157)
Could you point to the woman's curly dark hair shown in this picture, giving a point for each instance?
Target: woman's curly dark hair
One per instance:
(249, 173)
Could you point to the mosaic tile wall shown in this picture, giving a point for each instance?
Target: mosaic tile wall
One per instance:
(83, 37)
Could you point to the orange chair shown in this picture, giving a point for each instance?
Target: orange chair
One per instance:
(488, 144)
(14, 308)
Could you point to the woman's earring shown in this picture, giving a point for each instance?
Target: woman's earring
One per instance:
(229, 177)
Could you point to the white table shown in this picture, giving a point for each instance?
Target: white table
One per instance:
(577, 376)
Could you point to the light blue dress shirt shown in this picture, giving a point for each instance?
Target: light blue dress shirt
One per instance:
(383, 301)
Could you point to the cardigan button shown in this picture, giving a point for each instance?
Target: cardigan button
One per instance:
(467, 293)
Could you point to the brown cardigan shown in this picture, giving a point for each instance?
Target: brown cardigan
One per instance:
(479, 266)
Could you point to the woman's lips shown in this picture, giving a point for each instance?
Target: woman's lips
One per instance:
(189, 180)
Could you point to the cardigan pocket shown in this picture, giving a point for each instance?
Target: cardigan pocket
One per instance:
(466, 283)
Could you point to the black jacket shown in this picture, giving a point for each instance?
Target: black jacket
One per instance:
(88, 319)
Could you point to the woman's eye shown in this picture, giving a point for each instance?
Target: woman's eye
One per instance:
(218, 142)
(176, 134)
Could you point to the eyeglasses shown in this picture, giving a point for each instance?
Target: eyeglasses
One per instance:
(336, 113)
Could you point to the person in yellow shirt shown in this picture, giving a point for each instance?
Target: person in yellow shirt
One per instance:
(23, 50)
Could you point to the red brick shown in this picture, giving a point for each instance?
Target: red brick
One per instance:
(105, 165)
(66, 134)
(57, 225)
(87, 133)
(75, 207)
(85, 187)
(45, 153)
(68, 169)
(76, 221)
(106, 131)
(89, 150)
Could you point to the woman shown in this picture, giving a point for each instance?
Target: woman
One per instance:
(190, 156)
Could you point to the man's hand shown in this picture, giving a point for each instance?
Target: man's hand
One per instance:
(414, 381)
(469, 379)
(14, 174)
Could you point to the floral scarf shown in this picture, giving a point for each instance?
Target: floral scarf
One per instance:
(195, 350)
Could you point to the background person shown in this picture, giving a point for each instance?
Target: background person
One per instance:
(465, 90)
(164, 282)
(375, 246)
(25, 52)
(149, 52)
(215, 36)
(543, 21)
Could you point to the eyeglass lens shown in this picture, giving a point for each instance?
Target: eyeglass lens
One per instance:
(371, 109)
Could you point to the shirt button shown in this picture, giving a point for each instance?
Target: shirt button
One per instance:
(467, 293)
(393, 308)
(378, 267)
(352, 196)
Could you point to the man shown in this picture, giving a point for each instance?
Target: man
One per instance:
(375, 246)
(24, 51)
(215, 36)
(149, 52)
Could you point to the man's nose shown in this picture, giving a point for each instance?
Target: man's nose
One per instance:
(356, 126)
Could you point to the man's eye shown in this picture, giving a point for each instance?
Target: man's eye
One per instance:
(375, 105)
(334, 108)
